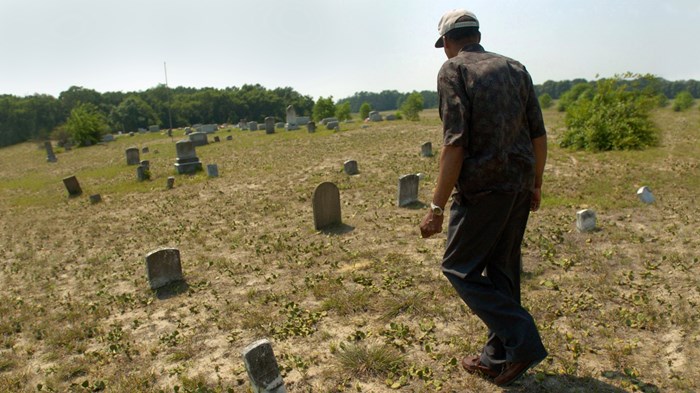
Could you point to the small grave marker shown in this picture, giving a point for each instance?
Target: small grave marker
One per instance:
(229, 138)
(426, 149)
(212, 170)
(142, 173)
(408, 190)
(311, 126)
(199, 138)
(72, 186)
(50, 156)
(326, 206)
(262, 368)
(95, 198)
(146, 164)
(644, 194)
(253, 125)
(333, 125)
(585, 220)
(171, 183)
(269, 125)
(132, 156)
(350, 167)
(163, 267)
(144, 150)
(217, 139)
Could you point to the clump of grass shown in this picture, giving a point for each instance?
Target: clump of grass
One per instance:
(367, 360)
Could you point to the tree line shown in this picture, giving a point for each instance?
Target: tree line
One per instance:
(669, 88)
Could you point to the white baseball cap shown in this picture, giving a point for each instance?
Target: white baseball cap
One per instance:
(449, 22)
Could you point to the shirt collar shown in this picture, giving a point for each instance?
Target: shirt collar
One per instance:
(473, 48)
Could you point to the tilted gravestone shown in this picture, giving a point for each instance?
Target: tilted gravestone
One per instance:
(350, 167)
(269, 125)
(311, 126)
(199, 138)
(212, 170)
(326, 205)
(253, 125)
(408, 190)
(426, 149)
(333, 125)
(132, 156)
(187, 160)
(72, 186)
(262, 368)
(163, 267)
(585, 220)
(644, 194)
(50, 156)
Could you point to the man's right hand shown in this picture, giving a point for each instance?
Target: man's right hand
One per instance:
(536, 199)
(431, 225)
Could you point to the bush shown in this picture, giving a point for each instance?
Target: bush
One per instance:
(365, 109)
(683, 101)
(86, 124)
(578, 91)
(613, 118)
(323, 108)
(545, 101)
(413, 105)
(342, 111)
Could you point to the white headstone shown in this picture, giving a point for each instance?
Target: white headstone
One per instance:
(585, 220)
(408, 190)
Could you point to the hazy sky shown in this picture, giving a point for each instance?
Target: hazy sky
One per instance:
(328, 47)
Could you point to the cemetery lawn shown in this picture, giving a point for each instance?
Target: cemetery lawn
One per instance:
(364, 307)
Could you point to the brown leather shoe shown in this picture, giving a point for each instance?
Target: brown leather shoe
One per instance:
(473, 365)
(513, 371)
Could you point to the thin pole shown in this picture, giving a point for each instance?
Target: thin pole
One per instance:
(170, 118)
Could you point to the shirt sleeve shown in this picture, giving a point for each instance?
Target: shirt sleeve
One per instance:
(453, 105)
(534, 113)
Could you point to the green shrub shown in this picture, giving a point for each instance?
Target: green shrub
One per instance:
(342, 111)
(614, 117)
(545, 101)
(324, 108)
(86, 124)
(413, 105)
(578, 91)
(682, 101)
(365, 109)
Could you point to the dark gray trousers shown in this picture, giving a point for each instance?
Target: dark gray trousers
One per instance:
(484, 236)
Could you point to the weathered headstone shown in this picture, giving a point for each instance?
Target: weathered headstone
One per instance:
(229, 138)
(328, 120)
(390, 117)
(154, 128)
(426, 149)
(212, 170)
(142, 173)
(146, 163)
(163, 266)
(350, 167)
(375, 116)
(644, 194)
(326, 205)
(217, 139)
(188, 130)
(132, 156)
(311, 126)
(253, 125)
(72, 186)
(95, 198)
(332, 125)
(108, 138)
(585, 220)
(243, 125)
(303, 120)
(144, 150)
(171, 183)
(291, 127)
(408, 190)
(199, 138)
(279, 125)
(187, 160)
(50, 156)
(269, 125)
(291, 115)
(263, 370)
(207, 128)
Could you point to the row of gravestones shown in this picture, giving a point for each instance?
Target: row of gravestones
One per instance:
(586, 220)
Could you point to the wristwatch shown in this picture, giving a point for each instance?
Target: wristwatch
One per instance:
(437, 210)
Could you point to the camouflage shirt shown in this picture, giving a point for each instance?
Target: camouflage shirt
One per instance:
(489, 107)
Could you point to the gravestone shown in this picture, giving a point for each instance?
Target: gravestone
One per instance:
(199, 138)
(188, 130)
(326, 205)
(644, 194)
(243, 125)
(279, 125)
(375, 116)
(163, 267)
(153, 128)
(426, 149)
(390, 117)
(145, 150)
(303, 120)
(146, 163)
(171, 183)
(217, 139)
(50, 156)
(408, 190)
(142, 173)
(212, 170)
(332, 125)
(291, 127)
(108, 138)
(311, 126)
(327, 120)
(585, 220)
(170, 132)
(187, 160)
(269, 125)
(72, 186)
(350, 167)
(131, 133)
(132, 156)
(229, 138)
(208, 128)
(253, 125)
(291, 115)
(95, 198)
(263, 370)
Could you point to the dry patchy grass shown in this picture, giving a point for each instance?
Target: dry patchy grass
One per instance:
(364, 310)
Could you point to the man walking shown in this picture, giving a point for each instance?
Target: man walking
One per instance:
(494, 153)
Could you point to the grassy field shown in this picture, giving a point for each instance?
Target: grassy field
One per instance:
(365, 310)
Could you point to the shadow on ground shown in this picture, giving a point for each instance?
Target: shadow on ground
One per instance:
(338, 229)
(171, 290)
(572, 384)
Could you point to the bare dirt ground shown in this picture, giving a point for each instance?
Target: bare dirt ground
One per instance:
(364, 308)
